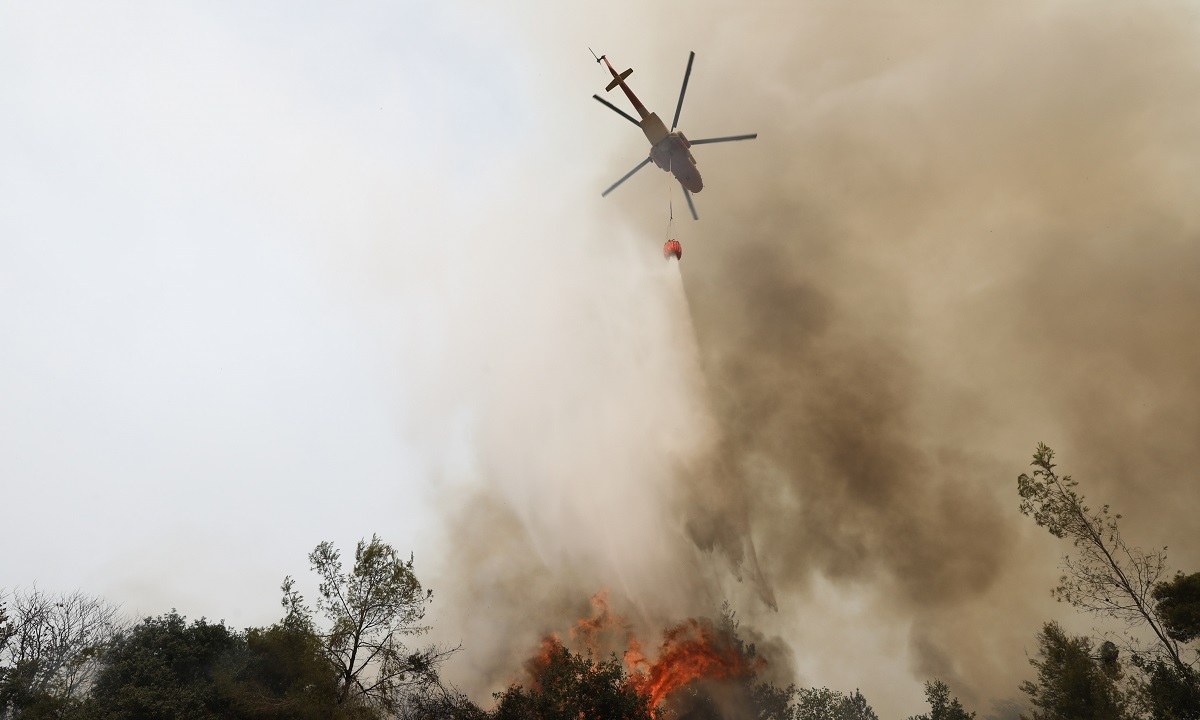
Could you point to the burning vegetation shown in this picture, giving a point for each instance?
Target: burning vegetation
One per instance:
(695, 656)
(692, 651)
(304, 667)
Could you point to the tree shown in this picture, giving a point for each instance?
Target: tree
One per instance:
(855, 707)
(941, 705)
(165, 668)
(49, 647)
(567, 686)
(282, 674)
(1178, 604)
(825, 704)
(1071, 684)
(1169, 694)
(6, 628)
(369, 610)
(1105, 575)
(741, 694)
(771, 702)
(438, 703)
(722, 692)
(6, 633)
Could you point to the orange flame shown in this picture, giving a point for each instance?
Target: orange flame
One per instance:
(590, 630)
(536, 666)
(690, 651)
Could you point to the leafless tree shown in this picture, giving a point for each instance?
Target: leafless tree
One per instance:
(6, 630)
(53, 642)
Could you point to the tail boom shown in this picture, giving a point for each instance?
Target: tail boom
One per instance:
(619, 81)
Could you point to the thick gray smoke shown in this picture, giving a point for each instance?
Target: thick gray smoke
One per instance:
(963, 251)
(963, 230)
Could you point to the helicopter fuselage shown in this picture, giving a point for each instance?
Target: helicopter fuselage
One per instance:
(669, 151)
(672, 154)
(668, 148)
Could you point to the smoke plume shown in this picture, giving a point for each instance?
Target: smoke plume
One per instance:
(962, 230)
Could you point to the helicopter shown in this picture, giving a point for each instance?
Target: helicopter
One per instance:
(668, 148)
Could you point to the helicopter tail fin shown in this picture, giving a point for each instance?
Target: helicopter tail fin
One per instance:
(619, 79)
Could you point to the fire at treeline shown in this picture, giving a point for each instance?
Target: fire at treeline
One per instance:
(355, 650)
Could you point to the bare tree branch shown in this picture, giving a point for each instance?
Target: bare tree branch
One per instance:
(1105, 576)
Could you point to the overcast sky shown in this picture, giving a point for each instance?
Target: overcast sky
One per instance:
(204, 368)
(238, 245)
(275, 273)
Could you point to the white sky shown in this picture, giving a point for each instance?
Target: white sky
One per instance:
(206, 354)
(234, 239)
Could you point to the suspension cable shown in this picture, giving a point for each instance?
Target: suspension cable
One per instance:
(670, 202)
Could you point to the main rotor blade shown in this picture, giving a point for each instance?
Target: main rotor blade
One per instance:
(727, 138)
(686, 74)
(691, 205)
(618, 110)
(627, 175)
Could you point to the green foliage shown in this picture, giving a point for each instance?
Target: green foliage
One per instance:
(1170, 693)
(1071, 685)
(856, 707)
(296, 614)
(282, 674)
(1178, 604)
(1052, 500)
(567, 686)
(941, 705)
(165, 668)
(825, 704)
(772, 702)
(43, 706)
(438, 703)
(369, 610)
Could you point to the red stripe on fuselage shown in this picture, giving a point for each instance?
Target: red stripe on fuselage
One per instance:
(637, 104)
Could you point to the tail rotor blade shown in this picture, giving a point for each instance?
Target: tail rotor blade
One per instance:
(727, 138)
(691, 205)
(627, 175)
(683, 90)
(617, 110)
